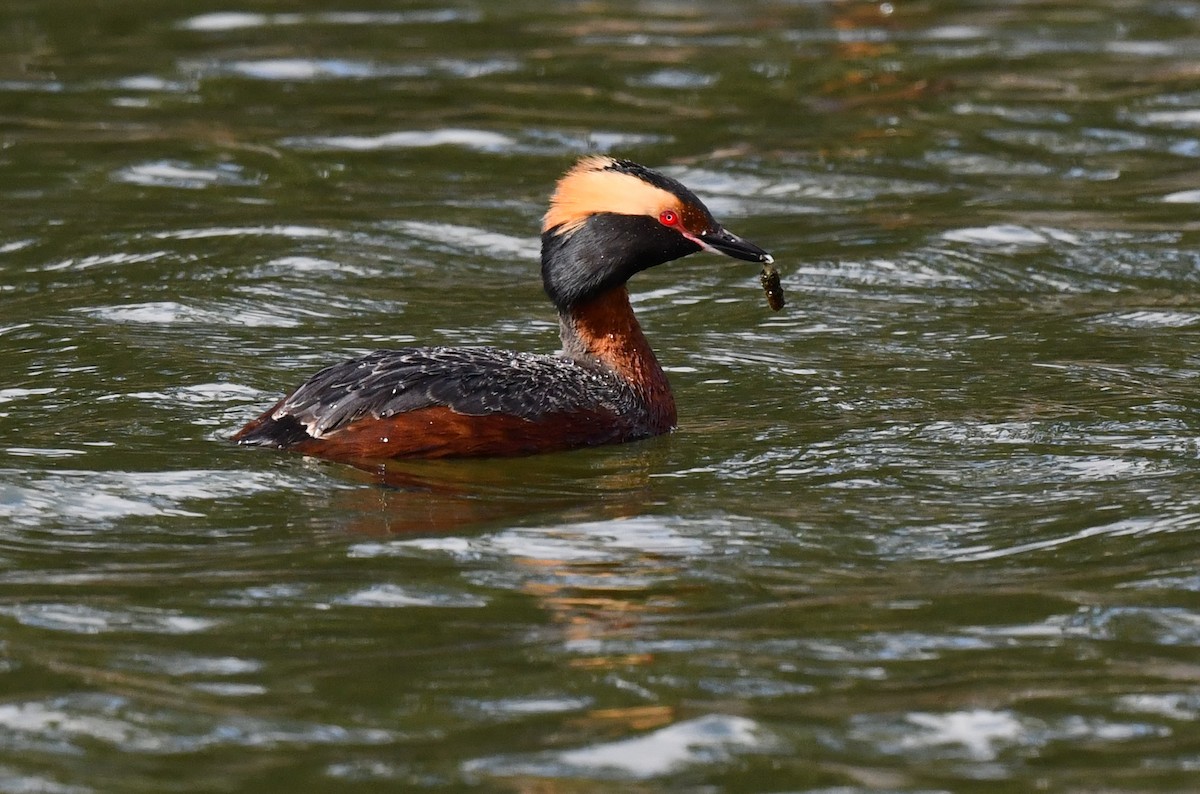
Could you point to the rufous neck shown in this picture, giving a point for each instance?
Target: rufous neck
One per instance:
(604, 330)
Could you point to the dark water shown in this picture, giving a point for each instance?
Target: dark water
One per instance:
(933, 527)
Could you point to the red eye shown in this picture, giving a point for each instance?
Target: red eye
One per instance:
(668, 217)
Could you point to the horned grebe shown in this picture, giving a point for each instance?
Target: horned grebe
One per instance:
(608, 219)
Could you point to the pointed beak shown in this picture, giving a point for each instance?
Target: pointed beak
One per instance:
(721, 241)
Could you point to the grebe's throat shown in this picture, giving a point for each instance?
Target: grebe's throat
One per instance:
(604, 331)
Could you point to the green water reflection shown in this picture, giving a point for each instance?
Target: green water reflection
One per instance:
(930, 528)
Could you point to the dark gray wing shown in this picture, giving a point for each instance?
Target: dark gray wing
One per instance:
(471, 381)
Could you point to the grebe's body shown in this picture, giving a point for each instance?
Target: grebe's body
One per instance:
(608, 220)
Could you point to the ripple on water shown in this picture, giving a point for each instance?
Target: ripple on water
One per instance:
(979, 734)
(180, 174)
(221, 21)
(1182, 197)
(16, 245)
(77, 720)
(962, 163)
(198, 394)
(626, 554)
(159, 313)
(103, 260)
(1123, 625)
(1147, 318)
(1089, 143)
(591, 141)
(49, 503)
(86, 498)
(589, 541)
(1004, 235)
(320, 69)
(714, 738)
(473, 241)
(504, 708)
(1021, 114)
(379, 595)
(1183, 706)
(82, 619)
(733, 193)
(933, 269)
(13, 394)
(675, 79)
(150, 82)
(289, 231)
(1167, 118)
(184, 665)
(480, 140)
(532, 140)
(974, 258)
(44, 452)
(970, 547)
(391, 595)
(984, 735)
(1160, 626)
(904, 646)
(307, 267)
(23, 782)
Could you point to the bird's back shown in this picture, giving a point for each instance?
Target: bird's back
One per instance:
(444, 401)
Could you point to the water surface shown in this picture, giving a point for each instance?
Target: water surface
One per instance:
(929, 528)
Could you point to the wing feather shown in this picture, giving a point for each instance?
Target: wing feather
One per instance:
(470, 381)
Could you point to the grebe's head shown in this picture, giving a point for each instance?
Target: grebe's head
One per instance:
(609, 219)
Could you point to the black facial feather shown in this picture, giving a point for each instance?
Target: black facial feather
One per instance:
(603, 253)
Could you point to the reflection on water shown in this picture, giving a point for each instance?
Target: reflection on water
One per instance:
(928, 528)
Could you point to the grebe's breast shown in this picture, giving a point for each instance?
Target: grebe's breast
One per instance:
(444, 401)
